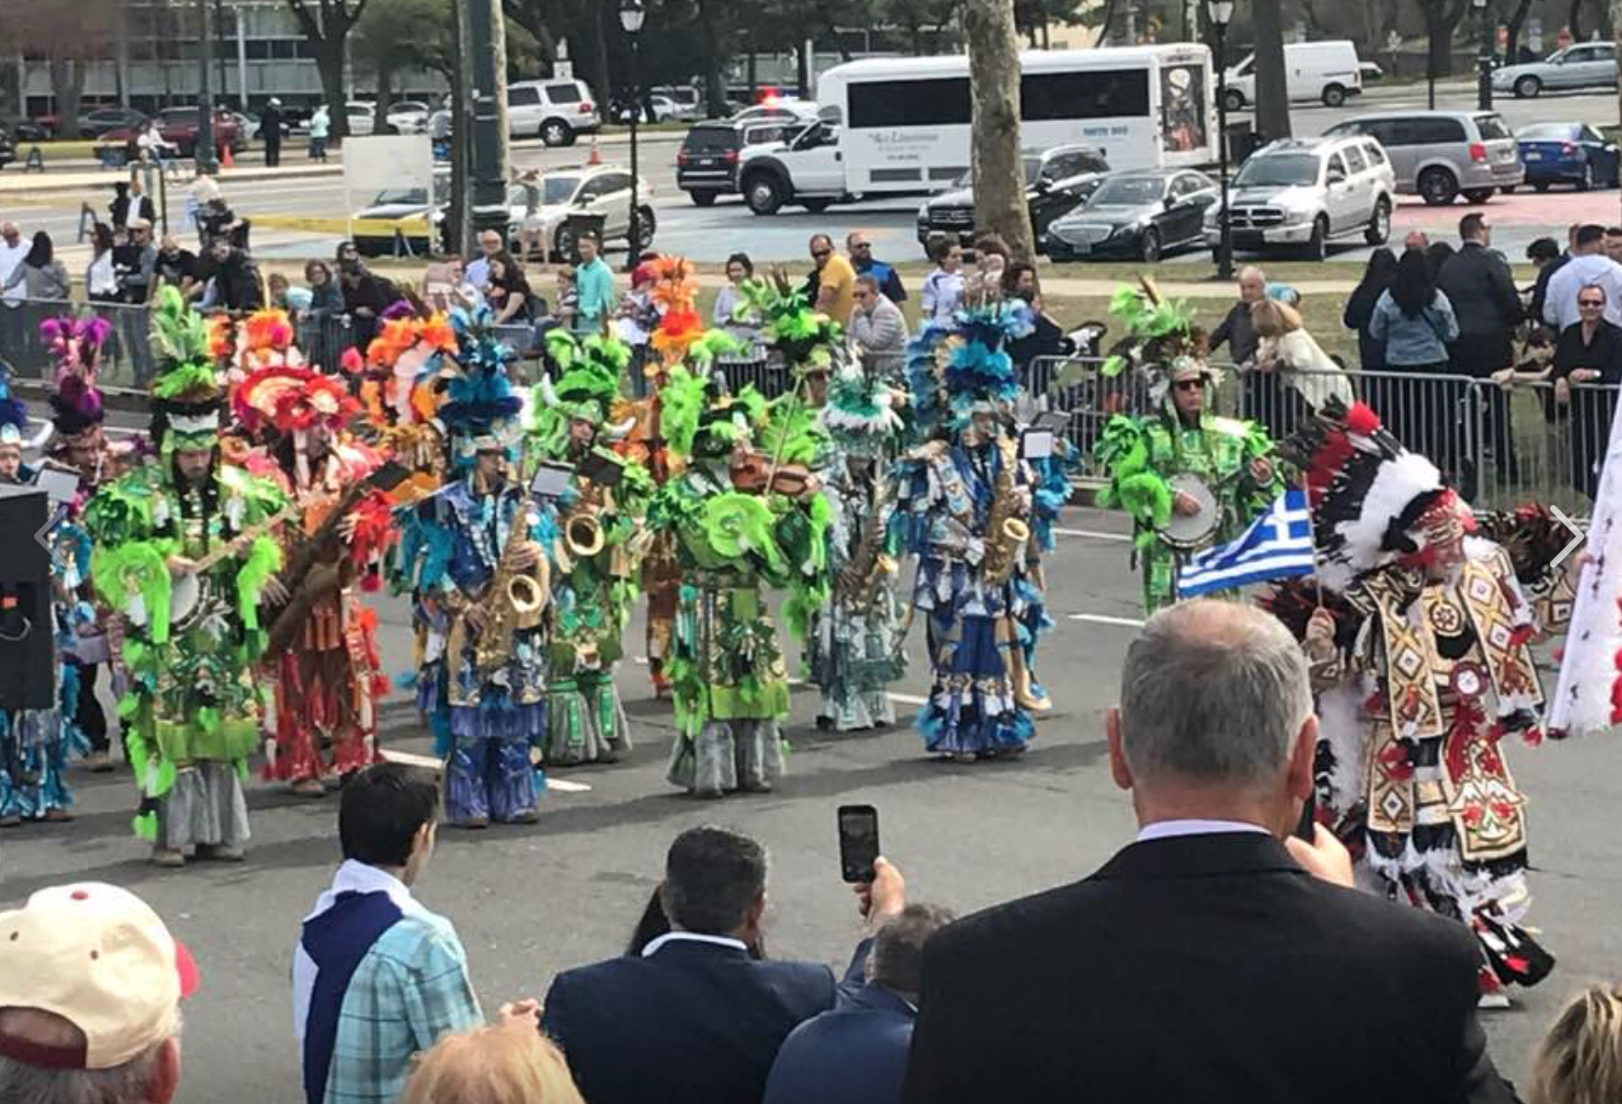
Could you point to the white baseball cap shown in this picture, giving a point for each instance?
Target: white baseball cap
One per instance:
(99, 957)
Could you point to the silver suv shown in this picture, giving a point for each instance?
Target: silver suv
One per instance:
(1305, 193)
(1437, 155)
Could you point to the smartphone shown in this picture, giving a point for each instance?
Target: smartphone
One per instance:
(1309, 817)
(858, 842)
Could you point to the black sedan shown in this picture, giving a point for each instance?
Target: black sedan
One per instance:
(1142, 215)
(1056, 181)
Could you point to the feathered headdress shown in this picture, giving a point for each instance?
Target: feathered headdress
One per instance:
(587, 388)
(480, 405)
(400, 365)
(859, 414)
(75, 346)
(698, 419)
(292, 399)
(806, 338)
(959, 366)
(1374, 503)
(186, 394)
(1161, 341)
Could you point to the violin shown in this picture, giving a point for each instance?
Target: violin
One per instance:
(752, 474)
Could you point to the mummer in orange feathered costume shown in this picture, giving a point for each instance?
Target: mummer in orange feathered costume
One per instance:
(322, 661)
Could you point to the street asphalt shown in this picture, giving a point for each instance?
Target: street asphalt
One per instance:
(568, 890)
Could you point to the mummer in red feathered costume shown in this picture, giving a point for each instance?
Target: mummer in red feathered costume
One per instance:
(1418, 633)
(321, 660)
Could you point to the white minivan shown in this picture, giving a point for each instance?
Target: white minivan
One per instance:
(1325, 71)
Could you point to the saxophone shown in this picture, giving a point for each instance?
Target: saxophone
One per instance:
(514, 598)
(864, 576)
(1005, 533)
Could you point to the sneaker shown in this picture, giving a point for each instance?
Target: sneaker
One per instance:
(307, 787)
(473, 823)
(57, 816)
(708, 794)
(219, 852)
(1493, 1002)
(99, 762)
(526, 816)
(167, 857)
(10, 820)
(761, 787)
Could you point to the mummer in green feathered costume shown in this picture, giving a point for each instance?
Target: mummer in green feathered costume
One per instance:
(597, 550)
(1189, 478)
(181, 555)
(734, 537)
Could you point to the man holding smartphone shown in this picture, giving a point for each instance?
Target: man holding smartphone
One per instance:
(698, 1017)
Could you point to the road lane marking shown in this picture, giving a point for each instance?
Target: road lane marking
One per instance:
(1091, 534)
(1104, 619)
(907, 699)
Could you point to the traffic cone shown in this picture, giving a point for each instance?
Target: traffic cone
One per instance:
(226, 160)
(596, 157)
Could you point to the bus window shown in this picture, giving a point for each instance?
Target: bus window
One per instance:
(900, 103)
(1083, 94)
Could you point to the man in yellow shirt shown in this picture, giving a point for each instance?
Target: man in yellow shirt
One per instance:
(836, 280)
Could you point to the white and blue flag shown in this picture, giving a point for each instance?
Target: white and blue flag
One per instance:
(1278, 544)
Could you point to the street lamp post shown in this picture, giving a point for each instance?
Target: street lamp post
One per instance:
(1484, 56)
(1220, 12)
(203, 148)
(632, 13)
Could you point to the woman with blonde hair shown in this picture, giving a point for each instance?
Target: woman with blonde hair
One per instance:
(509, 1064)
(1287, 355)
(1580, 1059)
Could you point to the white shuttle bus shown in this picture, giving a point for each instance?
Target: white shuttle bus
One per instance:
(896, 126)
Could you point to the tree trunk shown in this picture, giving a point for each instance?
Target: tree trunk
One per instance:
(1272, 96)
(1574, 20)
(1517, 20)
(1439, 40)
(329, 64)
(385, 97)
(715, 60)
(999, 175)
(67, 87)
(459, 232)
(599, 54)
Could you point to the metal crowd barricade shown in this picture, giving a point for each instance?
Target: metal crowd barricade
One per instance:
(1089, 397)
(127, 360)
(1553, 448)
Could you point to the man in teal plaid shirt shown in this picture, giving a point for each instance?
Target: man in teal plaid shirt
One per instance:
(378, 978)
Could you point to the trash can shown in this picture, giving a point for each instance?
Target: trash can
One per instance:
(574, 225)
(1242, 140)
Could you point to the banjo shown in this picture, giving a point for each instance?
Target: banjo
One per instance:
(1188, 533)
(190, 592)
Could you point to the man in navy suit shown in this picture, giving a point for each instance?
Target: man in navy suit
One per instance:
(857, 1054)
(698, 1018)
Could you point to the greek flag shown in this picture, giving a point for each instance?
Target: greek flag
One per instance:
(1278, 544)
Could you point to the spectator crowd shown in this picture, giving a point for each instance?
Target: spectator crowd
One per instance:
(1216, 956)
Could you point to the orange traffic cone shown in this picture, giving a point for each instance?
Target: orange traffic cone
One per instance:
(226, 161)
(596, 157)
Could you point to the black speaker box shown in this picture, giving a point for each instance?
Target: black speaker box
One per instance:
(27, 647)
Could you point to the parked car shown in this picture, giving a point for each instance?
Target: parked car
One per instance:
(408, 117)
(655, 109)
(362, 118)
(1305, 193)
(591, 190)
(178, 127)
(1580, 65)
(1437, 155)
(555, 111)
(1143, 215)
(1567, 153)
(1371, 71)
(1057, 180)
(1325, 71)
(707, 163)
(8, 149)
(781, 108)
(93, 124)
(401, 203)
(25, 130)
(688, 104)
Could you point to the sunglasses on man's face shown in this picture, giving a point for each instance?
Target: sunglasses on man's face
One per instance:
(1188, 385)
(1597, 304)
(818, 254)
